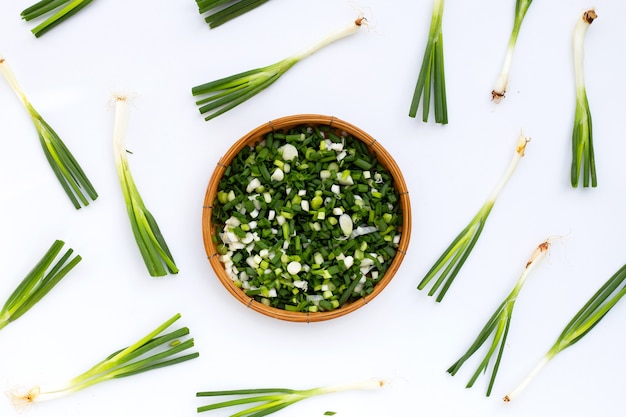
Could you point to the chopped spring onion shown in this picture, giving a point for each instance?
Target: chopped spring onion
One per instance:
(153, 351)
(226, 93)
(521, 7)
(498, 326)
(58, 11)
(582, 135)
(451, 261)
(222, 11)
(150, 241)
(586, 319)
(270, 400)
(432, 73)
(68, 172)
(38, 283)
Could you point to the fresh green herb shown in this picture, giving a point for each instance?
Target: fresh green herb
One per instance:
(432, 73)
(451, 261)
(330, 413)
(498, 326)
(270, 400)
(302, 226)
(582, 135)
(38, 283)
(150, 241)
(521, 7)
(586, 319)
(153, 351)
(226, 93)
(68, 172)
(222, 11)
(58, 11)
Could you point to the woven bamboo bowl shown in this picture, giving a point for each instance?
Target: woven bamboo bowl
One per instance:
(209, 229)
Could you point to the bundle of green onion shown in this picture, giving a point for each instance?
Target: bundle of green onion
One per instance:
(222, 11)
(58, 11)
(38, 283)
(67, 170)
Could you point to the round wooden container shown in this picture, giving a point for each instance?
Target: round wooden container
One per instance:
(257, 135)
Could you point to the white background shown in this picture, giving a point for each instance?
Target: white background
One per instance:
(159, 50)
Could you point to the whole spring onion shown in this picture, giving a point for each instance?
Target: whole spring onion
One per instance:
(586, 319)
(71, 176)
(222, 11)
(150, 241)
(451, 261)
(497, 327)
(521, 7)
(432, 75)
(217, 97)
(153, 351)
(39, 281)
(582, 135)
(57, 10)
(270, 400)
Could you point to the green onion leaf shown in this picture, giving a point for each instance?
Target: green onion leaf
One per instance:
(222, 11)
(58, 11)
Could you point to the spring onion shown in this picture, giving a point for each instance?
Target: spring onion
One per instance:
(153, 351)
(451, 261)
(58, 11)
(71, 176)
(585, 319)
(226, 93)
(432, 73)
(498, 326)
(521, 7)
(154, 250)
(582, 135)
(270, 400)
(38, 283)
(222, 11)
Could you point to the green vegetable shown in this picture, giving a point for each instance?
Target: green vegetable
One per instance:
(150, 241)
(71, 176)
(586, 319)
(58, 11)
(153, 351)
(451, 261)
(582, 135)
(222, 11)
(226, 93)
(521, 7)
(270, 400)
(38, 283)
(432, 73)
(498, 326)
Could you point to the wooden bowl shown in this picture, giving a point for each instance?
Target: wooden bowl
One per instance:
(257, 135)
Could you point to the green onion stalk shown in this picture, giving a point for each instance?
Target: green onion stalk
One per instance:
(154, 250)
(265, 401)
(451, 261)
(67, 170)
(39, 281)
(220, 96)
(222, 11)
(521, 7)
(57, 10)
(585, 319)
(497, 327)
(153, 351)
(432, 75)
(582, 135)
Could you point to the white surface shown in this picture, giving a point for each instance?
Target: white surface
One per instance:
(159, 50)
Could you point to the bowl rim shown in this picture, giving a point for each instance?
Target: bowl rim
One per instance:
(255, 136)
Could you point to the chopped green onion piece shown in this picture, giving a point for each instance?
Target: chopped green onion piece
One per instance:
(67, 170)
(222, 11)
(582, 136)
(451, 261)
(58, 10)
(38, 283)
(150, 241)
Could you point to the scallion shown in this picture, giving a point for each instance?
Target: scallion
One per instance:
(58, 11)
(222, 11)
(451, 261)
